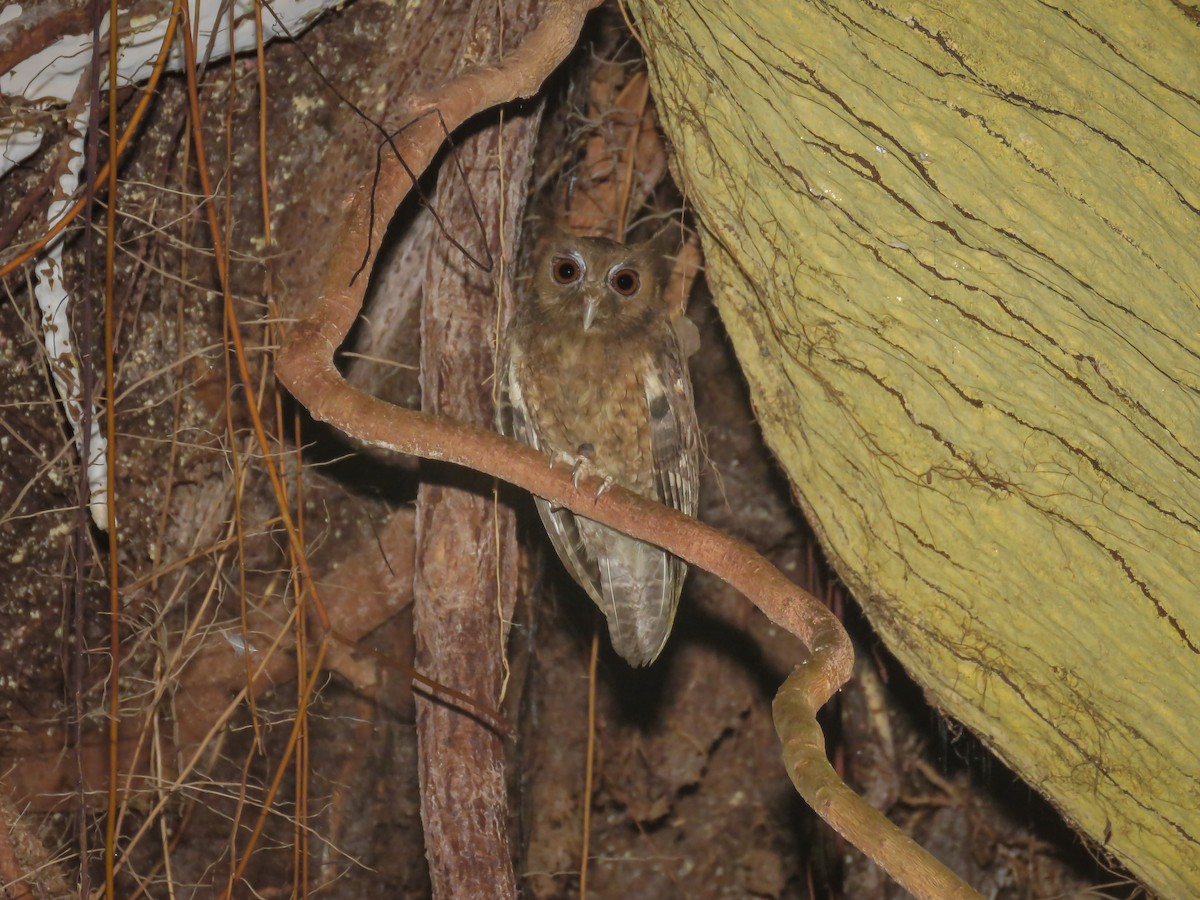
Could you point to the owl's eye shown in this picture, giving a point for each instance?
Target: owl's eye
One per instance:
(625, 281)
(565, 270)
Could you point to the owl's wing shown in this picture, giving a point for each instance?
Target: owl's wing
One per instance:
(638, 592)
(639, 584)
(674, 432)
(636, 585)
(511, 418)
(629, 580)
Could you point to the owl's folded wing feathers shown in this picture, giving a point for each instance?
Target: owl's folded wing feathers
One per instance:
(635, 584)
(674, 433)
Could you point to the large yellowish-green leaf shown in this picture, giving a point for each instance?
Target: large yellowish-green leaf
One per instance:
(956, 248)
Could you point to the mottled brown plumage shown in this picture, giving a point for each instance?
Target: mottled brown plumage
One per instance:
(593, 374)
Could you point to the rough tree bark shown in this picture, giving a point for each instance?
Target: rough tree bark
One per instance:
(466, 574)
(954, 248)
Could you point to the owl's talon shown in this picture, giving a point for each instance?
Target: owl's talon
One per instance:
(578, 472)
(604, 486)
(582, 463)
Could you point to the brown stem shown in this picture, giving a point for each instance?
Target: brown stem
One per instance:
(305, 365)
(846, 812)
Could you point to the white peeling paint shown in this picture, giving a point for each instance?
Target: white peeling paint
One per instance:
(54, 301)
(17, 145)
(53, 73)
(49, 79)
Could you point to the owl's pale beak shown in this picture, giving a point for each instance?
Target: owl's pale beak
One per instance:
(591, 307)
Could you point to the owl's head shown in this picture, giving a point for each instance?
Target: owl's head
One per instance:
(600, 285)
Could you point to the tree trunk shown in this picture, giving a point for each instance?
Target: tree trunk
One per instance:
(466, 578)
(955, 253)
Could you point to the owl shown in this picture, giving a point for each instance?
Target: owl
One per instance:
(593, 374)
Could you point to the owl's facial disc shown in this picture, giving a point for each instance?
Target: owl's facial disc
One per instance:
(622, 281)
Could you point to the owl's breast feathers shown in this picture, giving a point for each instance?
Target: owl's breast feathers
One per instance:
(628, 398)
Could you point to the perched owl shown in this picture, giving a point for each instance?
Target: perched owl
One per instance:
(593, 374)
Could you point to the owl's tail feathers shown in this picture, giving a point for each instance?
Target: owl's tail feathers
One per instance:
(638, 591)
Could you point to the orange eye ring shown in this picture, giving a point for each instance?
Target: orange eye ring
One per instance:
(625, 281)
(566, 269)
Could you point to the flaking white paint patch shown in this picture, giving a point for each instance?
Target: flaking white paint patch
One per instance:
(51, 74)
(16, 146)
(54, 301)
(51, 78)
